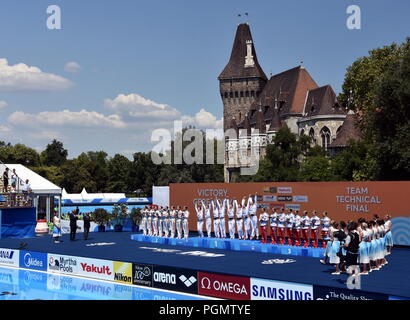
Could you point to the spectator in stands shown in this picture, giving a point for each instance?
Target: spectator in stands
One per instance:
(6, 180)
(87, 220)
(26, 191)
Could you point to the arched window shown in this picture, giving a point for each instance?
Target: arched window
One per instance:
(230, 94)
(236, 94)
(302, 132)
(325, 136)
(247, 94)
(226, 94)
(241, 94)
(252, 93)
(312, 135)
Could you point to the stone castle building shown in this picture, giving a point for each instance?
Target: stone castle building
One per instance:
(256, 107)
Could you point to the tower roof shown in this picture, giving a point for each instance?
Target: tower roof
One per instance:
(245, 128)
(275, 123)
(236, 66)
(348, 131)
(322, 101)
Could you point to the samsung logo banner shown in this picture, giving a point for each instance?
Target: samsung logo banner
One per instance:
(9, 257)
(33, 260)
(278, 290)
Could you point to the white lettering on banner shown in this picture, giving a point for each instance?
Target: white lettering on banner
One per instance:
(9, 257)
(284, 190)
(165, 278)
(212, 193)
(30, 261)
(95, 269)
(230, 287)
(278, 290)
(358, 199)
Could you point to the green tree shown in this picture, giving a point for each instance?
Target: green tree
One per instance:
(54, 154)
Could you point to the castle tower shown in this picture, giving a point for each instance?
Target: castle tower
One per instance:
(243, 79)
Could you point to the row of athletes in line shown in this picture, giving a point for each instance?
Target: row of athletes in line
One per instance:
(363, 243)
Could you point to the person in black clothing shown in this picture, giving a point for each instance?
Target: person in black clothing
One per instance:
(87, 220)
(73, 223)
(352, 242)
(6, 180)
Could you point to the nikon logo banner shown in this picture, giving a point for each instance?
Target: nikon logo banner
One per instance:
(123, 272)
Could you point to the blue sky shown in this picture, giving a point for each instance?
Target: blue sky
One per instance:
(138, 65)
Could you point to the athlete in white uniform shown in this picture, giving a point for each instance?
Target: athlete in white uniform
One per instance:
(165, 221)
(281, 227)
(306, 228)
(208, 219)
(273, 220)
(215, 213)
(230, 206)
(172, 222)
(155, 223)
(290, 217)
(222, 221)
(364, 258)
(239, 219)
(315, 224)
(297, 228)
(143, 224)
(254, 217)
(179, 217)
(325, 229)
(199, 219)
(160, 234)
(263, 222)
(246, 217)
(149, 222)
(389, 236)
(185, 219)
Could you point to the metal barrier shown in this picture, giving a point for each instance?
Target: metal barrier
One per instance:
(13, 200)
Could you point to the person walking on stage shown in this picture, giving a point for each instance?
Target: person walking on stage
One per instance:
(231, 218)
(273, 221)
(215, 213)
(222, 221)
(208, 219)
(185, 219)
(306, 228)
(199, 219)
(239, 219)
(73, 223)
(263, 221)
(56, 228)
(87, 225)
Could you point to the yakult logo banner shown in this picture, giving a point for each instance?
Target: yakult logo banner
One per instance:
(33, 260)
(9, 257)
(223, 286)
(95, 268)
(278, 290)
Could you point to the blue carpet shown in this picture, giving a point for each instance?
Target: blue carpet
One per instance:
(393, 279)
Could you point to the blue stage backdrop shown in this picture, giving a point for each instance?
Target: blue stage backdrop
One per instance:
(18, 223)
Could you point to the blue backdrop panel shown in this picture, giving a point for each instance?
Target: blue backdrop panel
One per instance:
(235, 245)
(18, 223)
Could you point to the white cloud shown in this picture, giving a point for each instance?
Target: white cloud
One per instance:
(46, 135)
(136, 106)
(3, 104)
(4, 129)
(63, 118)
(203, 120)
(21, 77)
(72, 67)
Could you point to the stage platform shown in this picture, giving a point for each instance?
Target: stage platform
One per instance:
(247, 268)
(233, 244)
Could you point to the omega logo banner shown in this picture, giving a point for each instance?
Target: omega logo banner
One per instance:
(223, 286)
(342, 200)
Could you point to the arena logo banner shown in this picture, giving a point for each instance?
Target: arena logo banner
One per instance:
(33, 260)
(224, 286)
(175, 279)
(142, 274)
(279, 290)
(123, 272)
(63, 264)
(9, 257)
(329, 293)
(96, 268)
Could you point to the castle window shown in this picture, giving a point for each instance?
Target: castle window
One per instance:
(247, 94)
(241, 94)
(252, 94)
(230, 94)
(312, 135)
(302, 133)
(226, 94)
(257, 93)
(312, 109)
(236, 94)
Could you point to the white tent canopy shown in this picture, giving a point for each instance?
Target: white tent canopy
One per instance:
(38, 184)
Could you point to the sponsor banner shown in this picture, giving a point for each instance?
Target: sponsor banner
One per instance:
(284, 190)
(270, 198)
(9, 257)
(259, 198)
(277, 205)
(142, 274)
(175, 279)
(96, 268)
(33, 260)
(292, 206)
(263, 205)
(279, 290)
(224, 286)
(63, 264)
(285, 198)
(300, 199)
(123, 272)
(330, 293)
